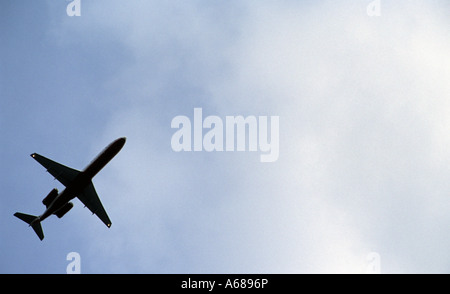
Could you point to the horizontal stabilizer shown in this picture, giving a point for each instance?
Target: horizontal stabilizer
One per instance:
(33, 221)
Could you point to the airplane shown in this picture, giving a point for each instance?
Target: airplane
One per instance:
(77, 183)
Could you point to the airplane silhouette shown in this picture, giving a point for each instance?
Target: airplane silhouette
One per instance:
(77, 183)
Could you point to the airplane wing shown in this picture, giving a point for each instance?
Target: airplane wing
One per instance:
(90, 199)
(65, 175)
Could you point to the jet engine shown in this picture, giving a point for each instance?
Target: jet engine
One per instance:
(50, 197)
(63, 210)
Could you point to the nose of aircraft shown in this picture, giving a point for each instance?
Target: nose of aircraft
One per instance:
(122, 140)
(116, 145)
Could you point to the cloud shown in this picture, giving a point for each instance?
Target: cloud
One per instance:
(363, 106)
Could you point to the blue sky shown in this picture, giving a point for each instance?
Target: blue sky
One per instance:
(364, 107)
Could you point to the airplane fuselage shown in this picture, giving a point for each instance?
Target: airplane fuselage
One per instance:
(83, 179)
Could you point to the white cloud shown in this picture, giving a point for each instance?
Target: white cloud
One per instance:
(363, 106)
(361, 102)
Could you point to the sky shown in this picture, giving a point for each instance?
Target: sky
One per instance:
(363, 102)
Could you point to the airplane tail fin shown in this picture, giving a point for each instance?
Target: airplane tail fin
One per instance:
(33, 221)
